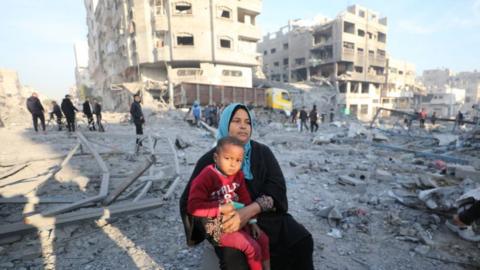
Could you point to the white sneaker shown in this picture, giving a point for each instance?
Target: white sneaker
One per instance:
(465, 233)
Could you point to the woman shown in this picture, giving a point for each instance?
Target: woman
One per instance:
(291, 245)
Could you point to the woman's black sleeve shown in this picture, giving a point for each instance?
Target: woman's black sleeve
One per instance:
(274, 184)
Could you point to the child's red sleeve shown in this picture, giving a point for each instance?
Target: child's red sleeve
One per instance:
(198, 199)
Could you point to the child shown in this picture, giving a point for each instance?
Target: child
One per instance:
(214, 192)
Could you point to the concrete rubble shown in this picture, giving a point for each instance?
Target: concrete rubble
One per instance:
(368, 197)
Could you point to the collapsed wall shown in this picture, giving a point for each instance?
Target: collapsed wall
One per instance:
(13, 98)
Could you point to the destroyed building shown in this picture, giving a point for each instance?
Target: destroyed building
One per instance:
(350, 51)
(82, 76)
(12, 98)
(161, 43)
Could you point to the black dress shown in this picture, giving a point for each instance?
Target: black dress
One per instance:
(283, 231)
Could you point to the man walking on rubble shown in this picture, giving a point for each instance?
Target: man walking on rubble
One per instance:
(97, 110)
(303, 119)
(313, 119)
(88, 112)
(137, 117)
(57, 112)
(35, 107)
(423, 117)
(69, 111)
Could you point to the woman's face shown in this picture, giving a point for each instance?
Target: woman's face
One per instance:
(240, 126)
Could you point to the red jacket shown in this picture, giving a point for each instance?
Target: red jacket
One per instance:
(211, 188)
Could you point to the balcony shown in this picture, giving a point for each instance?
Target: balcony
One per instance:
(249, 32)
(376, 78)
(251, 5)
(348, 54)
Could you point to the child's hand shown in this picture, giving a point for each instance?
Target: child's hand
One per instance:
(256, 231)
(226, 208)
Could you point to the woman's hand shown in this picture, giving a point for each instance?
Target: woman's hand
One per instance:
(237, 219)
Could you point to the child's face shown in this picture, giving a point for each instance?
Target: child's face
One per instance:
(229, 159)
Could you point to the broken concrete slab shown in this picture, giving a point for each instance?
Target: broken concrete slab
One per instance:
(347, 180)
(464, 172)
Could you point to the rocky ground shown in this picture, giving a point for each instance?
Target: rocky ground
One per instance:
(343, 186)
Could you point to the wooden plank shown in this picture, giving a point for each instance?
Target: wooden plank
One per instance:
(38, 221)
(13, 170)
(127, 182)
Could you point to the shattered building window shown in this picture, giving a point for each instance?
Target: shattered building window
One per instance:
(370, 35)
(360, 51)
(365, 87)
(361, 13)
(185, 40)
(285, 61)
(276, 64)
(183, 8)
(224, 12)
(272, 51)
(225, 43)
(360, 33)
(359, 69)
(349, 27)
(300, 61)
(285, 46)
(348, 45)
(381, 53)
(371, 54)
(353, 109)
(342, 87)
(382, 37)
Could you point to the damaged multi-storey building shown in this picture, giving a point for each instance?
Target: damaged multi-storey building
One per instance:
(449, 93)
(160, 43)
(350, 51)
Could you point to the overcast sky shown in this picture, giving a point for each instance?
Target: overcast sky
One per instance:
(37, 36)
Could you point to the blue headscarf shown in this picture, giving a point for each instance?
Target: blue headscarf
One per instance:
(223, 132)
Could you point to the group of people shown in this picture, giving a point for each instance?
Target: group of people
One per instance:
(210, 114)
(422, 117)
(301, 117)
(67, 109)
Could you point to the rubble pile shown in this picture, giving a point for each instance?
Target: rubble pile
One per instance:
(373, 198)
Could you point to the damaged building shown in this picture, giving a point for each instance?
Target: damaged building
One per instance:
(450, 92)
(161, 43)
(350, 51)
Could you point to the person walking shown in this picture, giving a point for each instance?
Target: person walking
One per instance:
(69, 110)
(197, 113)
(294, 115)
(35, 107)
(303, 119)
(57, 112)
(88, 112)
(138, 119)
(313, 119)
(97, 110)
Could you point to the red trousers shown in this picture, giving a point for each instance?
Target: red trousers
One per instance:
(256, 250)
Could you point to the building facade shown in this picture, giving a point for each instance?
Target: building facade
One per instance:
(167, 42)
(349, 51)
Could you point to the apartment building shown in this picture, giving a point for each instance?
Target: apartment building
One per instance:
(402, 90)
(165, 42)
(349, 50)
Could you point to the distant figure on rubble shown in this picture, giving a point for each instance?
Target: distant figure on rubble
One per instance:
(137, 117)
(69, 111)
(313, 119)
(460, 223)
(459, 119)
(332, 115)
(197, 113)
(216, 192)
(97, 110)
(433, 119)
(57, 112)
(303, 119)
(423, 117)
(294, 115)
(35, 107)
(88, 112)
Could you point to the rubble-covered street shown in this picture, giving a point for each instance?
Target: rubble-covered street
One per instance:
(367, 204)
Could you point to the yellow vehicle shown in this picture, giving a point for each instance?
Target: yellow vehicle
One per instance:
(278, 99)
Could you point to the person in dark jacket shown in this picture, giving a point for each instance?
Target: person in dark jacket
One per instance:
(303, 119)
(97, 110)
(137, 117)
(88, 112)
(294, 115)
(69, 110)
(291, 245)
(57, 112)
(35, 107)
(313, 119)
